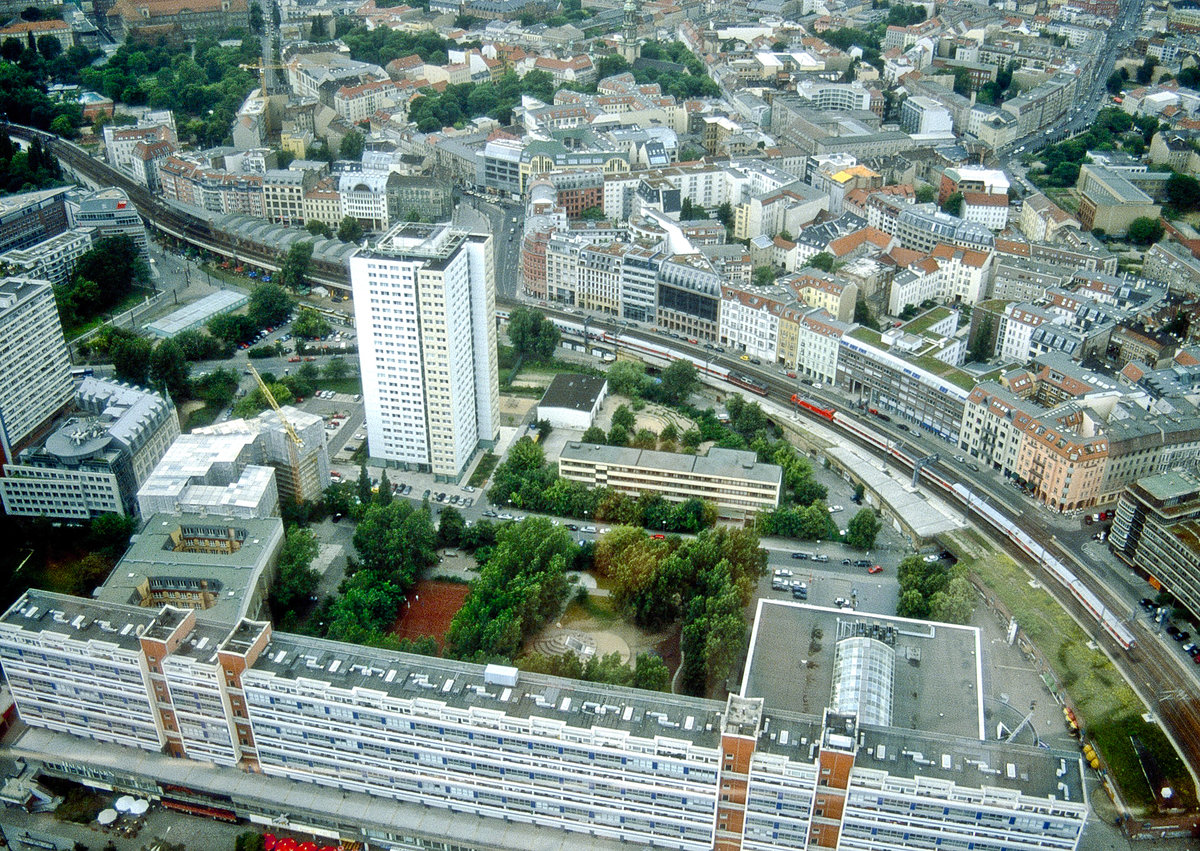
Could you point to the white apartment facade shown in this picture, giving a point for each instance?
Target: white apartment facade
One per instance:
(363, 196)
(748, 322)
(424, 305)
(54, 259)
(586, 763)
(34, 362)
(1015, 335)
(818, 341)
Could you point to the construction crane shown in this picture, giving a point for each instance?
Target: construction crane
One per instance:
(270, 397)
(261, 67)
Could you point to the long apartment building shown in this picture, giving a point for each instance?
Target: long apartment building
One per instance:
(731, 479)
(34, 362)
(239, 721)
(424, 306)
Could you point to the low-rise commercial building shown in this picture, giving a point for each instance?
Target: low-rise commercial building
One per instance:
(572, 401)
(733, 480)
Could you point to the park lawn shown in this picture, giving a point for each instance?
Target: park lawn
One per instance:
(595, 607)
(201, 417)
(1109, 710)
(134, 298)
(351, 384)
(483, 469)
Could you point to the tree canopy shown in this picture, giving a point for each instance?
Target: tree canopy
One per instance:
(532, 334)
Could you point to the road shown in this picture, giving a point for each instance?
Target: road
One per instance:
(1118, 37)
(1155, 668)
(505, 219)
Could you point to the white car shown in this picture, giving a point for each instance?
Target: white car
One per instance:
(930, 559)
(588, 529)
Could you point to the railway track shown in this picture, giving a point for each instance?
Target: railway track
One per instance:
(1173, 694)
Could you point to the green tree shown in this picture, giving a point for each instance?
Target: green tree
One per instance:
(451, 527)
(953, 204)
(269, 304)
(925, 193)
(217, 388)
(618, 435)
(294, 273)
(862, 529)
(690, 212)
(594, 434)
(627, 378)
(352, 146)
(624, 418)
(1145, 71)
(1183, 191)
(981, 344)
(169, 369)
(1114, 83)
(310, 325)
(336, 369)
(912, 605)
(677, 381)
(256, 17)
(863, 315)
(109, 534)
(318, 228)
(962, 82)
(592, 214)
(350, 230)
(689, 154)
(956, 604)
(383, 496)
(532, 334)
(764, 276)
(822, 260)
(131, 359)
(63, 126)
(364, 485)
(1145, 231)
(296, 580)
(725, 214)
(651, 673)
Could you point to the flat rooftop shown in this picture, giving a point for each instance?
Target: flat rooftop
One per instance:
(198, 312)
(153, 563)
(937, 675)
(718, 463)
(573, 392)
(645, 714)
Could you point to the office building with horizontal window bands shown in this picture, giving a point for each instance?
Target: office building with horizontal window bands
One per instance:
(733, 480)
(1156, 528)
(34, 363)
(260, 721)
(424, 307)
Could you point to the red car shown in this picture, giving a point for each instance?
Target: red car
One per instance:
(658, 537)
(310, 360)
(875, 569)
(293, 360)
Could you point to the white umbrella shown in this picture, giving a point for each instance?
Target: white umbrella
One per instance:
(139, 807)
(107, 816)
(123, 803)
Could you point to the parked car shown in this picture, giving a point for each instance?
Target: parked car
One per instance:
(862, 562)
(875, 568)
(820, 558)
(783, 571)
(1147, 604)
(801, 556)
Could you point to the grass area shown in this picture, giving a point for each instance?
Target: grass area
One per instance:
(1109, 709)
(201, 417)
(1063, 196)
(528, 392)
(596, 608)
(483, 469)
(134, 298)
(351, 385)
(228, 276)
